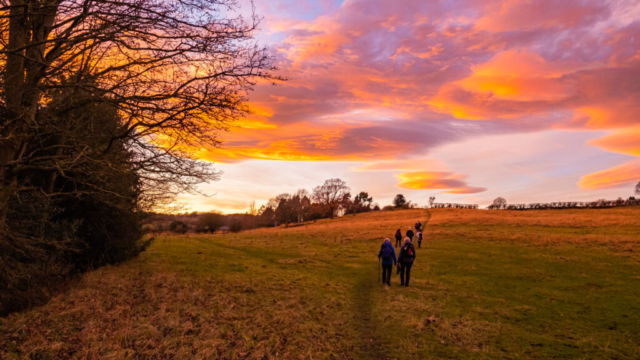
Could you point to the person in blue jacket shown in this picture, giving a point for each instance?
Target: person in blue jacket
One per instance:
(388, 256)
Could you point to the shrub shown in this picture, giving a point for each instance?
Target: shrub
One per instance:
(235, 226)
(209, 222)
(147, 228)
(46, 242)
(178, 227)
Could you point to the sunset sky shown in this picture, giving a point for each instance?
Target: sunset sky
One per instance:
(464, 100)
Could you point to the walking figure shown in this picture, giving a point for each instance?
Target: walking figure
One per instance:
(418, 225)
(405, 261)
(388, 255)
(410, 234)
(398, 238)
(419, 238)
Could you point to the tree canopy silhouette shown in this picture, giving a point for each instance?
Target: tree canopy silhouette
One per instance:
(399, 201)
(175, 72)
(331, 195)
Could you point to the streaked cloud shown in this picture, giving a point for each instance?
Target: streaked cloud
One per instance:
(621, 175)
(430, 180)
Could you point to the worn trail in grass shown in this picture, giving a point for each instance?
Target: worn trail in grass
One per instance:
(486, 284)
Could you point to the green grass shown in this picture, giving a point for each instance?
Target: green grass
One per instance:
(485, 285)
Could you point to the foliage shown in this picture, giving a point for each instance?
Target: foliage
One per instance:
(331, 195)
(499, 203)
(235, 226)
(178, 227)
(399, 201)
(100, 105)
(209, 222)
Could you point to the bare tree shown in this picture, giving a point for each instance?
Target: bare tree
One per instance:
(331, 195)
(637, 189)
(499, 203)
(210, 222)
(432, 200)
(252, 208)
(175, 73)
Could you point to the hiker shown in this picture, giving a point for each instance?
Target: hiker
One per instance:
(388, 256)
(399, 238)
(419, 238)
(410, 234)
(418, 225)
(405, 261)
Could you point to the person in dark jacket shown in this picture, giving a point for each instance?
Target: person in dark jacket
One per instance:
(410, 234)
(405, 261)
(399, 238)
(419, 234)
(418, 225)
(388, 256)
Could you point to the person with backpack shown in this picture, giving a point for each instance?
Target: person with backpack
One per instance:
(419, 238)
(388, 256)
(405, 261)
(399, 238)
(410, 234)
(418, 225)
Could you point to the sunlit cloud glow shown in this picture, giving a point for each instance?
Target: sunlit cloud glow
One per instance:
(385, 86)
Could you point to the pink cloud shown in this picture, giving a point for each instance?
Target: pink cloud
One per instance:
(371, 82)
(436, 180)
(620, 175)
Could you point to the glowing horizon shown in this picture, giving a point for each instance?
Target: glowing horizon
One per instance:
(465, 100)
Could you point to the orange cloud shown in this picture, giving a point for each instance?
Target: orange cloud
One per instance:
(623, 141)
(435, 180)
(627, 173)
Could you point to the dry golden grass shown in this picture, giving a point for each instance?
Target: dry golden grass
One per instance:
(486, 284)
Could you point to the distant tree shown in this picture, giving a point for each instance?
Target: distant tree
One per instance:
(284, 210)
(331, 195)
(252, 208)
(209, 222)
(432, 200)
(499, 203)
(305, 207)
(399, 201)
(346, 205)
(637, 189)
(376, 207)
(362, 202)
(267, 216)
(178, 227)
(388, 208)
(316, 212)
(235, 225)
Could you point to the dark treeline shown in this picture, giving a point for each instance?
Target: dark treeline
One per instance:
(454, 206)
(501, 204)
(329, 200)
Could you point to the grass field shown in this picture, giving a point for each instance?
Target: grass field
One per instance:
(486, 284)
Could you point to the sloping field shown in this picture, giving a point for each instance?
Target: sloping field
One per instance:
(486, 284)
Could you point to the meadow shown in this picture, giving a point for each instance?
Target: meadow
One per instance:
(561, 284)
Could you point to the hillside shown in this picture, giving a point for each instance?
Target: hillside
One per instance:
(486, 284)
